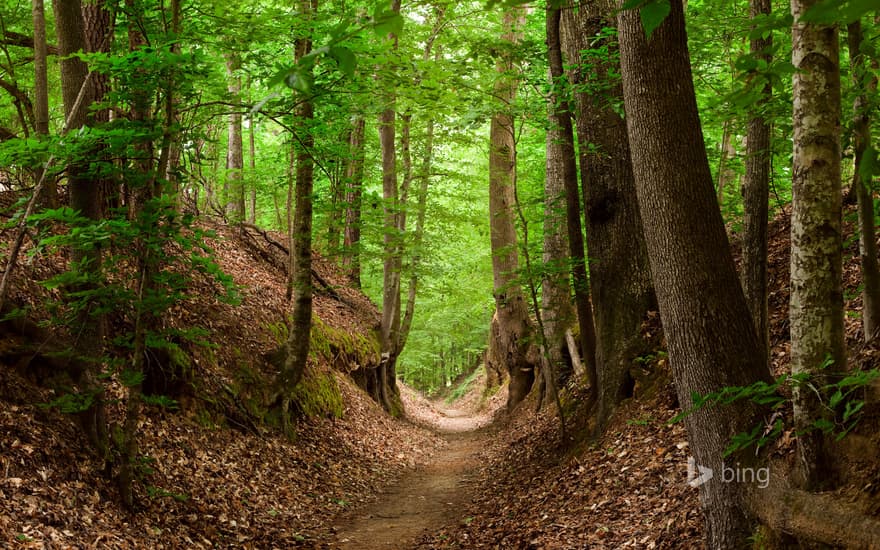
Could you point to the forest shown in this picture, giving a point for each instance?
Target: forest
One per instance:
(430, 274)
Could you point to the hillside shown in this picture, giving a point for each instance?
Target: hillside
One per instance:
(219, 473)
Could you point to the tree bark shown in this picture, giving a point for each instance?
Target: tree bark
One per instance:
(560, 118)
(864, 190)
(41, 97)
(354, 178)
(235, 196)
(391, 270)
(620, 277)
(511, 330)
(756, 194)
(252, 146)
(711, 339)
(85, 198)
(816, 309)
(556, 311)
(299, 339)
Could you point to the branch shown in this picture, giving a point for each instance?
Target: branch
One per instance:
(12, 38)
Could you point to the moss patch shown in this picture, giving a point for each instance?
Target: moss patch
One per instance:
(317, 394)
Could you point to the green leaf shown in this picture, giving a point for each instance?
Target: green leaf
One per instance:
(345, 59)
(869, 165)
(653, 14)
(387, 22)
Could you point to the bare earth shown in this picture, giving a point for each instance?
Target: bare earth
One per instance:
(430, 497)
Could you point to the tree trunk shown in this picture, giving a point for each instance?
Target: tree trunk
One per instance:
(816, 312)
(98, 21)
(252, 146)
(85, 198)
(864, 190)
(756, 194)
(354, 179)
(726, 174)
(41, 97)
(711, 339)
(391, 270)
(299, 339)
(235, 204)
(560, 117)
(511, 330)
(620, 277)
(556, 311)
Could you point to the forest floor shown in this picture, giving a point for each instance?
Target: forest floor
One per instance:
(424, 500)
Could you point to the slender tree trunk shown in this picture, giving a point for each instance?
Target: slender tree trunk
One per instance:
(816, 313)
(511, 331)
(252, 146)
(726, 174)
(556, 311)
(711, 339)
(393, 247)
(98, 21)
(864, 191)
(560, 117)
(354, 179)
(756, 194)
(85, 198)
(41, 97)
(299, 339)
(620, 277)
(235, 207)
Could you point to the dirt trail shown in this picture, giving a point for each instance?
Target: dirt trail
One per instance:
(428, 498)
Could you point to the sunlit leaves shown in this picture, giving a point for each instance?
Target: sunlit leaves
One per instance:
(830, 12)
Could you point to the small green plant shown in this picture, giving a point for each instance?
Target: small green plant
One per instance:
(157, 492)
(841, 400)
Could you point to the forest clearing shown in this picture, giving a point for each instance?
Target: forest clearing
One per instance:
(496, 274)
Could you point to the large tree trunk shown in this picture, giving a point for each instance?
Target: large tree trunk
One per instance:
(391, 270)
(711, 339)
(354, 179)
(863, 189)
(85, 198)
(756, 194)
(816, 312)
(299, 339)
(620, 277)
(511, 330)
(41, 97)
(235, 195)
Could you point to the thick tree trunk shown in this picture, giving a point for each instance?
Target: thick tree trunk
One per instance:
(511, 329)
(620, 277)
(863, 189)
(756, 194)
(816, 311)
(711, 339)
(41, 97)
(354, 179)
(235, 203)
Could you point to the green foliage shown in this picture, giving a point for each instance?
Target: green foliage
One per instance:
(843, 404)
(463, 388)
(651, 12)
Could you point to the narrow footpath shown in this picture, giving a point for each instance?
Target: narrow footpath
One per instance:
(428, 498)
